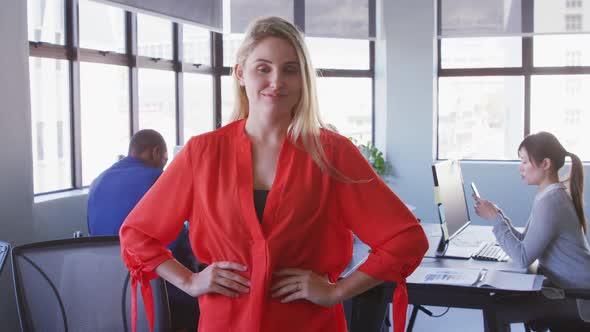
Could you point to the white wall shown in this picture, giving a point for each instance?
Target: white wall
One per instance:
(60, 218)
(22, 221)
(16, 183)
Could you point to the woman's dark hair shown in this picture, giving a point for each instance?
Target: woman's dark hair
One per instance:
(544, 145)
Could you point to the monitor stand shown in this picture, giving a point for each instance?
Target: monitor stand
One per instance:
(447, 250)
(444, 239)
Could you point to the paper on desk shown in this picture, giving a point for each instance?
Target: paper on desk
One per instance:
(477, 277)
(512, 281)
(445, 276)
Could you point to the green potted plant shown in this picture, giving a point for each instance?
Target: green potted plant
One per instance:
(375, 158)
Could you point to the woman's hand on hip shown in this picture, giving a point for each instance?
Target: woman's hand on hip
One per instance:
(218, 278)
(299, 284)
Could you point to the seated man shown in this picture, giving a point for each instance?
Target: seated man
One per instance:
(116, 191)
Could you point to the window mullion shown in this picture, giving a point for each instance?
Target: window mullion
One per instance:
(217, 63)
(131, 46)
(372, 70)
(528, 20)
(178, 54)
(72, 44)
(527, 50)
(299, 14)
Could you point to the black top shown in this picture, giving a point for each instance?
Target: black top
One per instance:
(260, 202)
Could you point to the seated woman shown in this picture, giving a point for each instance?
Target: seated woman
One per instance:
(555, 232)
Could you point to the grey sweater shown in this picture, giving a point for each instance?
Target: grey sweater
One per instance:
(553, 236)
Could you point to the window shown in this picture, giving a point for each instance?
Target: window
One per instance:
(101, 27)
(573, 58)
(195, 42)
(557, 110)
(352, 116)
(104, 115)
(198, 103)
(40, 147)
(154, 37)
(157, 103)
(46, 21)
(231, 43)
(328, 53)
(561, 50)
(60, 139)
(227, 99)
(573, 22)
(50, 115)
(504, 75)
(480, 117)
(132, 71)
(482, 52)
(573, 3)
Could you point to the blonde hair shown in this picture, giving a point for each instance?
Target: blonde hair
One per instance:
(306, 123)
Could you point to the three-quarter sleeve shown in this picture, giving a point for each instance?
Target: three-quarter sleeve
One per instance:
(381, 220)
(154, 223)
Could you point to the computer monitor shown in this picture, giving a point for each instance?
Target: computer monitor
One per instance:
(450, 197)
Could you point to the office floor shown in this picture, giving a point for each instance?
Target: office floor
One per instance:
(455, 320)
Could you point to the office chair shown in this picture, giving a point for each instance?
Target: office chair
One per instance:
(367, 312)
(4, 249)
(80, 284)
(562, 325)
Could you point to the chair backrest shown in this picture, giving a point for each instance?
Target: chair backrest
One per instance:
(80, 284)
(4, 249)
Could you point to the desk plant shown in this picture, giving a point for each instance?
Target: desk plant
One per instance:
(375, 158)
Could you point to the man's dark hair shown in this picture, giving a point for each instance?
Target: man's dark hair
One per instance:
(146, 139)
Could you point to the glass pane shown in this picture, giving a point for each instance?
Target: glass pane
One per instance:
(46, 21)
(227, 99)
(561, 50)
(480, 18)
(157, 108)
(101, 27)
(481, 52)
(352, 116)
(231, 43)
(198, 105)
(104, 99)
(50, 117)
(339, 53)
(562, 16)
(480, 117)
(337, 18)
(559, 104)
(196, 45)
(154, 37)
(245, 11)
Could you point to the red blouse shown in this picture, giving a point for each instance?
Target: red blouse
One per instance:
(308, 223)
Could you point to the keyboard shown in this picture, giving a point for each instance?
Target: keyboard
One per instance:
(490, 251)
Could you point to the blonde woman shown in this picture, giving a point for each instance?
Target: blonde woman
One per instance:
(272, 200)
